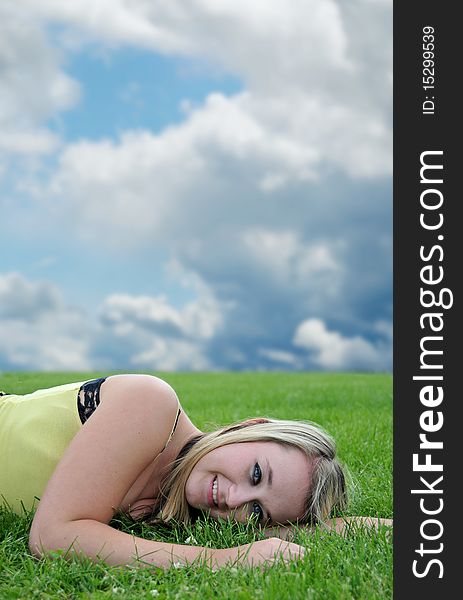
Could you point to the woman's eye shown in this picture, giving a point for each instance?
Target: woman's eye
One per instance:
(257, 511)
(257, 474)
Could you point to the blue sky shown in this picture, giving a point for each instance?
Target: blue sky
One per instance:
(196, 186)
(131, 88)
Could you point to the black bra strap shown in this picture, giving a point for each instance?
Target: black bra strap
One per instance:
(87, 404)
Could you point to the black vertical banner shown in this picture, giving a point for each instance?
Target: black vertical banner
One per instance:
(428, 236)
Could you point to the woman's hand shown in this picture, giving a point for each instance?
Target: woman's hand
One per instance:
(260, 553)
(341, 525)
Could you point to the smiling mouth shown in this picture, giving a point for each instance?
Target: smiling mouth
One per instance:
(214, 492)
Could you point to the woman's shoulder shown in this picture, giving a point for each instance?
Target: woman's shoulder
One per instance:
(138, 392)
(113, 450)
(137, 385)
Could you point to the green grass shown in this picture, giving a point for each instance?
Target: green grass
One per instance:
(355, 408)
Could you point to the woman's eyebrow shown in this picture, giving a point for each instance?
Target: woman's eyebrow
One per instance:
(269, 473)
(269, 482)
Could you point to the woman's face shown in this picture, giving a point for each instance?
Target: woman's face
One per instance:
(265, 479)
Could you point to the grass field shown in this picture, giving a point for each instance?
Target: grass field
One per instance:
(355, 408)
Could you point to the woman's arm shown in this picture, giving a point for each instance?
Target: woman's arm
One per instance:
(340, 525)
(121, 438)
(99, 541)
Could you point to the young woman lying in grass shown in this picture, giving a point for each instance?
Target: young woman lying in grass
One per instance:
(124, 444)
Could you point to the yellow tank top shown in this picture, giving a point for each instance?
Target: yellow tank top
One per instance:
(35, 430)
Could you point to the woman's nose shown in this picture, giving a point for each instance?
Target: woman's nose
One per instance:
(237, 496)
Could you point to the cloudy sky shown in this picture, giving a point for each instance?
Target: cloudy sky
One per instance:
(196, 184)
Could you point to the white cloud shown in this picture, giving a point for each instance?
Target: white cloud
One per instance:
(32, 141)
(198, 319)
(158, 336)
(173, 355)
(331, 350)
(241, 194)
(21, 299)
(268, 30)
(33, 86)
(55, 342)
(292, 261)
(281, 358)
(295, 59)
(155, 186)
(289, 122)
(38, 330)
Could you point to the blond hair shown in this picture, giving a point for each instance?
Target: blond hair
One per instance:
(328, 487)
